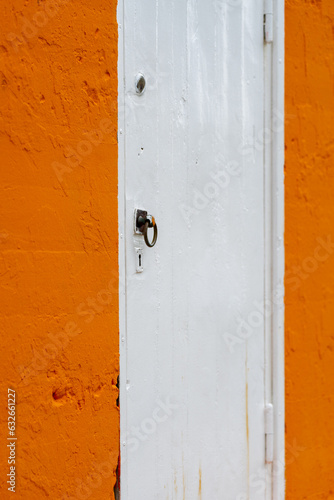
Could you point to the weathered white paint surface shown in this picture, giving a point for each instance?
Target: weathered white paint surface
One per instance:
(193, 331)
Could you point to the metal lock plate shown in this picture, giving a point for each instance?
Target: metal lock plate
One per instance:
(139, 213)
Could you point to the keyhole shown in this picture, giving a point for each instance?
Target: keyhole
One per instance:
(140, 83)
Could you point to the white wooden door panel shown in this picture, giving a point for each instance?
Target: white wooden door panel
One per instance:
(193, 380)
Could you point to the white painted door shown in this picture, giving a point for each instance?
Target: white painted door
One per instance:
(193, 328)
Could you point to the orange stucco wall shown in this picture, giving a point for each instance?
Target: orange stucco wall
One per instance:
(309, 249)
(58, 246)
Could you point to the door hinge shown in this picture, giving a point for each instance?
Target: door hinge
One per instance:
(268, 21)
(269, 432)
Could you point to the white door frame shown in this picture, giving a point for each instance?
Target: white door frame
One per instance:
(277, 252)
(274, 215)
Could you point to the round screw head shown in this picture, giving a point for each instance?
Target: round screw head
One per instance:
(140, 84)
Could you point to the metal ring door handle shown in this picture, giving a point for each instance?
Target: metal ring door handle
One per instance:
(155, 234)
(142, 222)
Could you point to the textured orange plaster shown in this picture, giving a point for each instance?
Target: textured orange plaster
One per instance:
(309, 249)
(58, 246)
